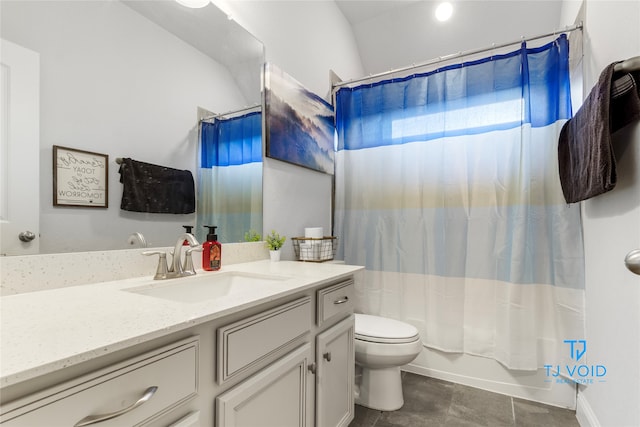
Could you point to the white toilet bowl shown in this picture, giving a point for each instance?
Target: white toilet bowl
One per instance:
(382, 346)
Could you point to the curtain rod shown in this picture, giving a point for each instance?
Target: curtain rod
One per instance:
(228, 113)
(455, 55)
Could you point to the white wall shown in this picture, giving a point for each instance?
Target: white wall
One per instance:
(114, 83)
(305, 39)
(611, 229)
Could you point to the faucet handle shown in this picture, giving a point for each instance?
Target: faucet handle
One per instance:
(188, 262)
(162, 270)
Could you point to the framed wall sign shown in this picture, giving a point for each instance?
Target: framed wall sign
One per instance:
(80, 178)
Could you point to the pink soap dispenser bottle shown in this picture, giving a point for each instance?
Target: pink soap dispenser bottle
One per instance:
(211, 251)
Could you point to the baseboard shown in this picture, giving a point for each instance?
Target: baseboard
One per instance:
(561, 395)
(584, 413)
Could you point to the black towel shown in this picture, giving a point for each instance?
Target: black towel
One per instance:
(586, 161)
(156, 189)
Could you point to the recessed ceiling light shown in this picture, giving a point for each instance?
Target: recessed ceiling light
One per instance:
(194, 4)
(444, 11)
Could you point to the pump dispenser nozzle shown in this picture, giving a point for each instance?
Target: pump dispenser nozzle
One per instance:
(187, 229)
(211, 236)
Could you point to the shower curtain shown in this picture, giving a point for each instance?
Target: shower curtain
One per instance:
(447, 191)
(230, 177)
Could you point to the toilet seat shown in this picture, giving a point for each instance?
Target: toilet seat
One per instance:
(383, 330)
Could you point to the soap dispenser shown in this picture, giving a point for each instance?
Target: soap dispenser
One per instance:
(211, 251)
(187, 229)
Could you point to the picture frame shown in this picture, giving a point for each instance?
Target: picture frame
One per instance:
(299, 125)
(80, 178)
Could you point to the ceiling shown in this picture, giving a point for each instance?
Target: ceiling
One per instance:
(396, 33)
(199, 27)
(232, 45)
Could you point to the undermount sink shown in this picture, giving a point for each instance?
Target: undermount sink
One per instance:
(206, 286)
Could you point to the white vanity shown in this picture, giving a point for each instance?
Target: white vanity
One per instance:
(275, 347)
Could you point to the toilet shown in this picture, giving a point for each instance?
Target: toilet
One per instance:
(382, 346)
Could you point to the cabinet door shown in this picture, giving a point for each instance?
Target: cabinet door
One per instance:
(274, 397)
(335, 375)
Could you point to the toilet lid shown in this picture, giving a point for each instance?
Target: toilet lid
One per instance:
(384, 330)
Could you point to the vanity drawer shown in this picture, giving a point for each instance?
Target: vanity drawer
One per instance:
(172, 371)
(336, 300)
(257, 340)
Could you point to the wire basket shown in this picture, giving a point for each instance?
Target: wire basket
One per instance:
(315, 249)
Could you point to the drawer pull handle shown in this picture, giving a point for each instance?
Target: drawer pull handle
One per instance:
(327, 356)
(94, 419)
(341, 301)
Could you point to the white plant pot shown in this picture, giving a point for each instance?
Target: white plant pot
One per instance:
(275, 255)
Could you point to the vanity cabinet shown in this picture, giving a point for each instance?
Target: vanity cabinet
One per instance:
(130, 393)
(285, 362)
(302, 387)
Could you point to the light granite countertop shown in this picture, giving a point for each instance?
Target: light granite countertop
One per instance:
(42, 332)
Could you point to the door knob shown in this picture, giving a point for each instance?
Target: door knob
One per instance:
(26, 236)
(632, 261)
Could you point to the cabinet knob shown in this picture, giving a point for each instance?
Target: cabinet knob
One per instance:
(327, 356)
(312, 368)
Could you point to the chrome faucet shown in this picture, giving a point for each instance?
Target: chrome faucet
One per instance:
(177, 269)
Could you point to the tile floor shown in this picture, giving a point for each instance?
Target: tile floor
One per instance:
(432, 402)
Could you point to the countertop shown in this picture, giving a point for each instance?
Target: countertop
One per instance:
(42, 332)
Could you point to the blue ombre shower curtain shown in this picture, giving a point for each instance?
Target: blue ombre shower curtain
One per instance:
(230, 177)
(447, 190)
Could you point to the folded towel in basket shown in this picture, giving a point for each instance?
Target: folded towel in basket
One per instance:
(156, 189)
(586, 161)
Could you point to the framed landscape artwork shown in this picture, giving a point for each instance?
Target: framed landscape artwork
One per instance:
(299, 125)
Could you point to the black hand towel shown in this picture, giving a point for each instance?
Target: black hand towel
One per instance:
(586, 161)
(156, 189)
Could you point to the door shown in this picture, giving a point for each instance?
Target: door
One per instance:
(335, 357)
(20, 150)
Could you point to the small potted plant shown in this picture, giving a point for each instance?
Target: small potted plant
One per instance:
(274, 243)
(252, 236)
